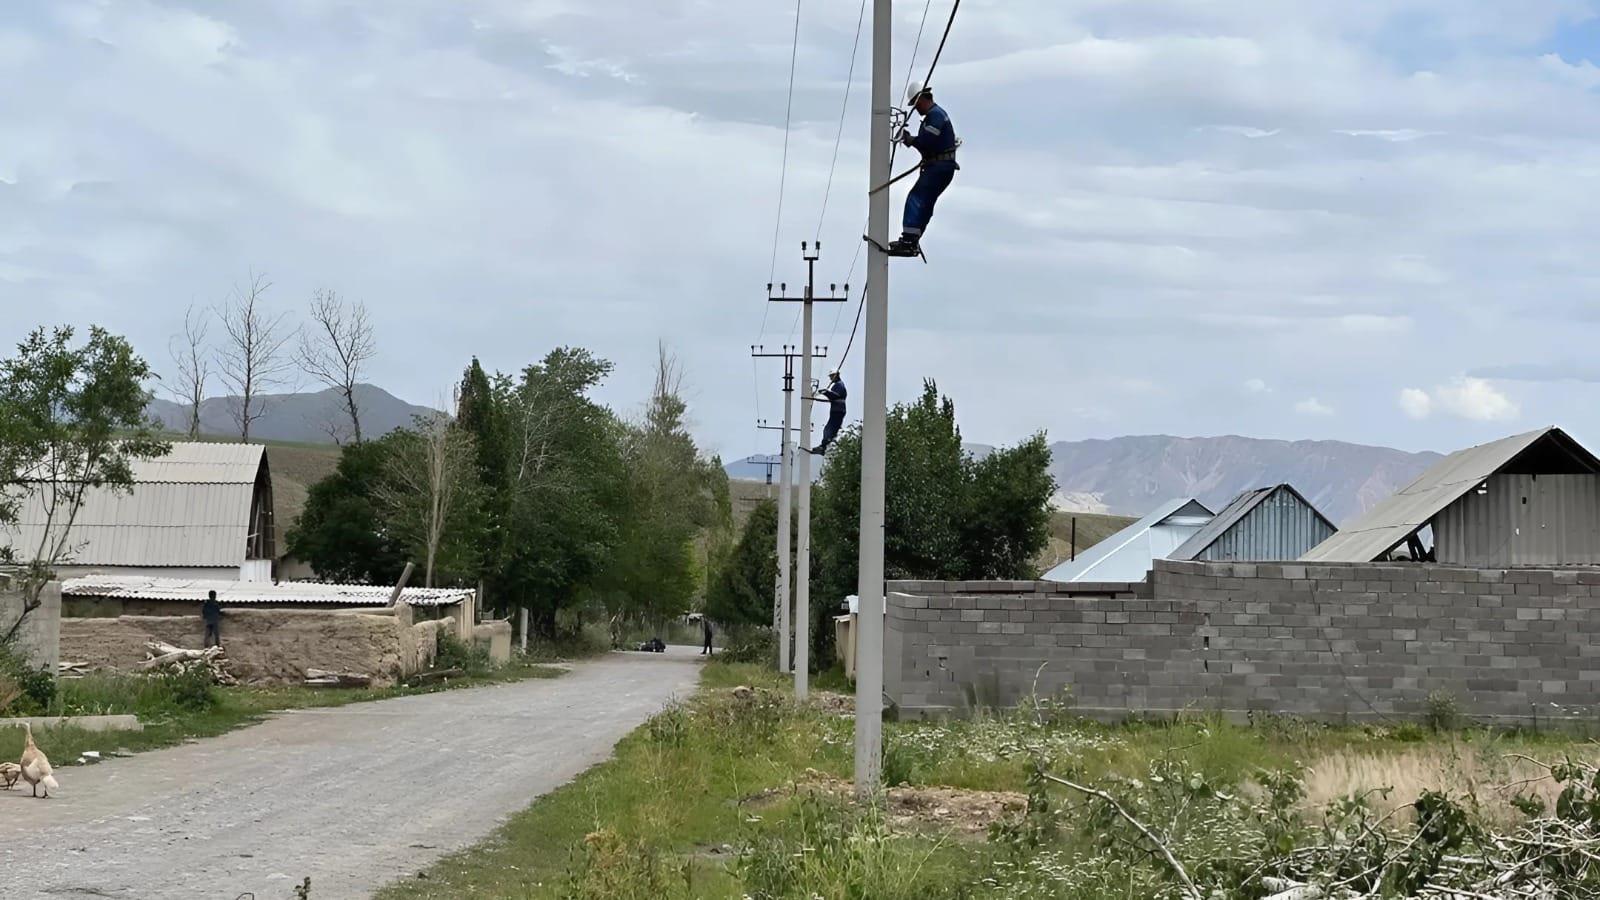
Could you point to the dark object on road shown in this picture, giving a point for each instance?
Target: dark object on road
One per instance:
(705, 626)
(211, 614)
(654, 645)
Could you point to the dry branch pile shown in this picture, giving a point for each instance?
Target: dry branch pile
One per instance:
(171, 660)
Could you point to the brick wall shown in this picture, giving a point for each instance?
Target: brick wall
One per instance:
(1329, 641)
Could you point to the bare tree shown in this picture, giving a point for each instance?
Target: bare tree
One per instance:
(251, 359)
(189, 357)
(335, 349)
(429, 490)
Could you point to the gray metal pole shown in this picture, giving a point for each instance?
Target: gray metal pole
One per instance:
(802, 575)
(784, 541)
(875, 343)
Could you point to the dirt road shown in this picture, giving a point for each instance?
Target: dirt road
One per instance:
(354, 797)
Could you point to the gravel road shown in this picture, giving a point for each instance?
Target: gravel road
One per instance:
(354, 797)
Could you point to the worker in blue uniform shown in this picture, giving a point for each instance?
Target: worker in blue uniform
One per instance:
(936, 141)
(835, 394)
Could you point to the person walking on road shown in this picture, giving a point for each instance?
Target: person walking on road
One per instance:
(705, 628)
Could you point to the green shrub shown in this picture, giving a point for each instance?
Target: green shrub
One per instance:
(455, 653)
(1442, 713)
(38, 686)
(193, 690)
(758, 646)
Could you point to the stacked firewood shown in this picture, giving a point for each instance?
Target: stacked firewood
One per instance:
(169, 659)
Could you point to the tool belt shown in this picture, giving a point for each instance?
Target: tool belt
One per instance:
(948, 155)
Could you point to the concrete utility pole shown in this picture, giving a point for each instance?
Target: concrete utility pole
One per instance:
(875, 343)
(802, 587)
(780, 597)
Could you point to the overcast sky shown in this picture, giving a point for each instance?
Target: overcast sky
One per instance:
(1356, 219)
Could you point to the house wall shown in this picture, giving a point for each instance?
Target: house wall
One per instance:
(38, 638)
(1328, 641)
(1280, 527)
(267, 645)
(1523, 520)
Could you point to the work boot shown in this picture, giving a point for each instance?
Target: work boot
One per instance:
(907, 245)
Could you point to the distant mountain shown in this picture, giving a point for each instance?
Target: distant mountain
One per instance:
(1129, 476)
(754, 468)
(302, 418)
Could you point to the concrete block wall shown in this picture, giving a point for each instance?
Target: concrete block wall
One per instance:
(1326, 641)
(39, 637)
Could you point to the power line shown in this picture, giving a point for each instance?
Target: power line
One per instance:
(844, 108)
(788, 110)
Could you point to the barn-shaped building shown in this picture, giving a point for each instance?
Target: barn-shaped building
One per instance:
(1528, 500)
(1265, 524)
(204, 510)
(1128, 554)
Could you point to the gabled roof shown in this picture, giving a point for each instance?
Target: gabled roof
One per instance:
(1233, 514)
(190, 507)
(133, 587)
(1116, 557)
(1387, 525)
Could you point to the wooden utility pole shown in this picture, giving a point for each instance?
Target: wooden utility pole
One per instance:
(802, 589)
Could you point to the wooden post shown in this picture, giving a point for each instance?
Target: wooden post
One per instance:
(1074, 550)
(524, 629)
(400, 586)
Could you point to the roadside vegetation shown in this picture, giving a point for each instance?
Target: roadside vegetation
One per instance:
(740, 792)
(182, 707)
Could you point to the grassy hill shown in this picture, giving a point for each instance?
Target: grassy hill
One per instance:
(1092, 529)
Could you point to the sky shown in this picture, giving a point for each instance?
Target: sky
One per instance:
(1350, 219)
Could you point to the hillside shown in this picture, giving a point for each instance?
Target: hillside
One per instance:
(1130, 475)
(299, 418)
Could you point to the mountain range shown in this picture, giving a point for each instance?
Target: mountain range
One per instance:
(1129, 476)
(300, 418)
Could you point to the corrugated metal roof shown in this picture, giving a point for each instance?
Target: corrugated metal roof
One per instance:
(188, 508)
(127, 587)
(1252, 501)
(1126, 555)
(1389, 523)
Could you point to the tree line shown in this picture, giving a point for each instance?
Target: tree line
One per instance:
(537, 493)
(948, 516)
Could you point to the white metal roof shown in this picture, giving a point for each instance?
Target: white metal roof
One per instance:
(188, 508)
(1389, 523)
(1127, 555)
(134, 587)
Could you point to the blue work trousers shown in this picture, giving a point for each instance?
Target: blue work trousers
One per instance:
(935, 177)
(830, 431)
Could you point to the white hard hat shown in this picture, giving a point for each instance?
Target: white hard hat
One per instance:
(913, 92)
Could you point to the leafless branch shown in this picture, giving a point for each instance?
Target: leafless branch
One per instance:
(193, 367)
(334, 350)
(251, 359)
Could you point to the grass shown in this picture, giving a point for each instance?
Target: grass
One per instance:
(171, 717)
(701, 802)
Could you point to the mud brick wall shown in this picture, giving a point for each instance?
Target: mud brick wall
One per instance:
(267, 645)
(1325, 641)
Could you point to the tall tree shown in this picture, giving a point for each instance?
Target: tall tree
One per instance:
(565, 483)
(335, 349)
(251, 359)
(429, 493)
(948, 516)
(341, 532)
(741, 586)
(192, 367)
(72, 420)
(670, 501)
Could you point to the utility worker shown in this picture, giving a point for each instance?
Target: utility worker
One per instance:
(835, 394)
(936, 141)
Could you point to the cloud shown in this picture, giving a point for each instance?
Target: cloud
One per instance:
(1311, 406)
(1415, 403)
(1256, 386)
(1394, 136)
(1465, 397)
(1541, 372)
